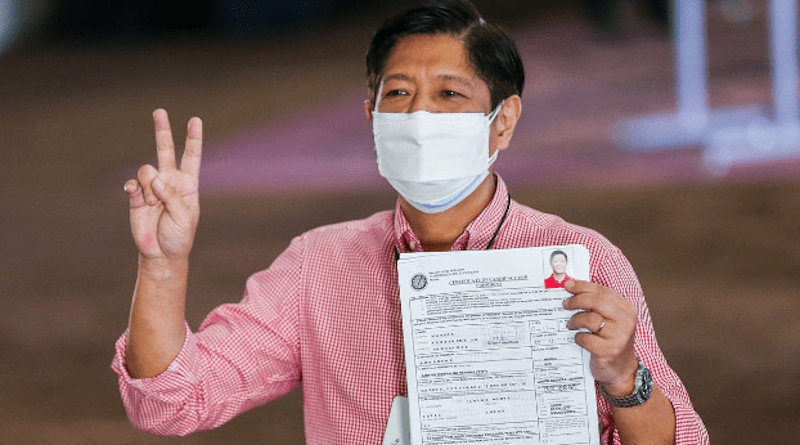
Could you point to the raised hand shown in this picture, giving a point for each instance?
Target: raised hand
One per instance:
(164, 202)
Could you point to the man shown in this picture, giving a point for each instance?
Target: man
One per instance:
(558, 262)
(445, 91)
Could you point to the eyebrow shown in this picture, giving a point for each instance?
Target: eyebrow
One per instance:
(455, 78)
(446, 77)
(396, 77)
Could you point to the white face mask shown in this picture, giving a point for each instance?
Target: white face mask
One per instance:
(434, 160)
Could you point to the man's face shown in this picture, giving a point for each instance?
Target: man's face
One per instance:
(559, 264)
(431, 73)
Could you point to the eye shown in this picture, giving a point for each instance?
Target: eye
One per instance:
(394, 93)
(450, 93)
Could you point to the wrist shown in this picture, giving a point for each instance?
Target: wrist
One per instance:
(162, 269)
(641, 391)
(625, 382)
(622, 387)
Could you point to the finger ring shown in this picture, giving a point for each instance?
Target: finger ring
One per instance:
(602, 325)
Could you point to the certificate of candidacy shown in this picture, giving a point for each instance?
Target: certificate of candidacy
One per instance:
(489, 358)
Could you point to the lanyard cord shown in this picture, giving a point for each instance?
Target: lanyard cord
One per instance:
(491, 241)
(502, 220)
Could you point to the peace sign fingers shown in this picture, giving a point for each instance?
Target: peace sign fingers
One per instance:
(165, 145)
(164, 202)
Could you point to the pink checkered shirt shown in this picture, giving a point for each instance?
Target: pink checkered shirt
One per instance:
(327, 314)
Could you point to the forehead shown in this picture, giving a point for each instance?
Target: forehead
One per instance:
(430, 55)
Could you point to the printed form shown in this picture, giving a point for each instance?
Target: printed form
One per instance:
(489, 357)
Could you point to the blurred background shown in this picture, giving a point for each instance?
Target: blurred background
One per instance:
(280, 88)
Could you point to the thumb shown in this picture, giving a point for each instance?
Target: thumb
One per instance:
(160, 189)
(166, 194)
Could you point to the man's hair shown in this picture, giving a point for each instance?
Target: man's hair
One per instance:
(558, 252)
(492, 54)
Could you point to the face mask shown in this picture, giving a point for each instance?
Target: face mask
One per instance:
(434, 160)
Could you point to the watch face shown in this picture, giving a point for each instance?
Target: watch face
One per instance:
(647, 384)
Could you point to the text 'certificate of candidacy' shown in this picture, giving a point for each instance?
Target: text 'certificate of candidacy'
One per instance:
(489, 357)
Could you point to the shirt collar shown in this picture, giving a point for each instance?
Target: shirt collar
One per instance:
(476, 235)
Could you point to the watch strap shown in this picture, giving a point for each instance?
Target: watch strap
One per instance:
(643, 389)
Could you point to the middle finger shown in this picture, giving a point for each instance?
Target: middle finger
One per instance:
(165, 146)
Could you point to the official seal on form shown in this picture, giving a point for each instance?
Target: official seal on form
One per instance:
(419, 281)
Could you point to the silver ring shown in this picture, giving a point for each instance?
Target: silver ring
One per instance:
(602, 325)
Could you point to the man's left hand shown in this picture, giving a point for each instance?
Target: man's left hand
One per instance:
(611, 320)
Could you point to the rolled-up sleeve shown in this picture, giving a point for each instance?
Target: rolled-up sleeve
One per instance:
(242, 356)
(161, 404)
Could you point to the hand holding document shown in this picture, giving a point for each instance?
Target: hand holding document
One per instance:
(488, 354)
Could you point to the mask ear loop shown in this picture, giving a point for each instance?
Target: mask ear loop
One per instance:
(492, 158)
(495, 112)
(491, 117)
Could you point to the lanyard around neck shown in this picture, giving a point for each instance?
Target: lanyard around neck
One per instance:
(491, 241)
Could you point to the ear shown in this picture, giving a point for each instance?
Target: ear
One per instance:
(368, 108)
(506, 121)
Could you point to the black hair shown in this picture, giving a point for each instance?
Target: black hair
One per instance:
(492, 53)
(558, 252)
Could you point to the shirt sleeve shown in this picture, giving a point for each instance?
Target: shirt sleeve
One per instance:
(615, 272)
(242, 356)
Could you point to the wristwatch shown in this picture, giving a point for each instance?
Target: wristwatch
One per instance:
(642, 390)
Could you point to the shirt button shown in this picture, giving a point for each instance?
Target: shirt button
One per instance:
(413, 245)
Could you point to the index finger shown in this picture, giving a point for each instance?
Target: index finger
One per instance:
(192, 151)
(586, 296)
(579, 287)
(165, 147)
